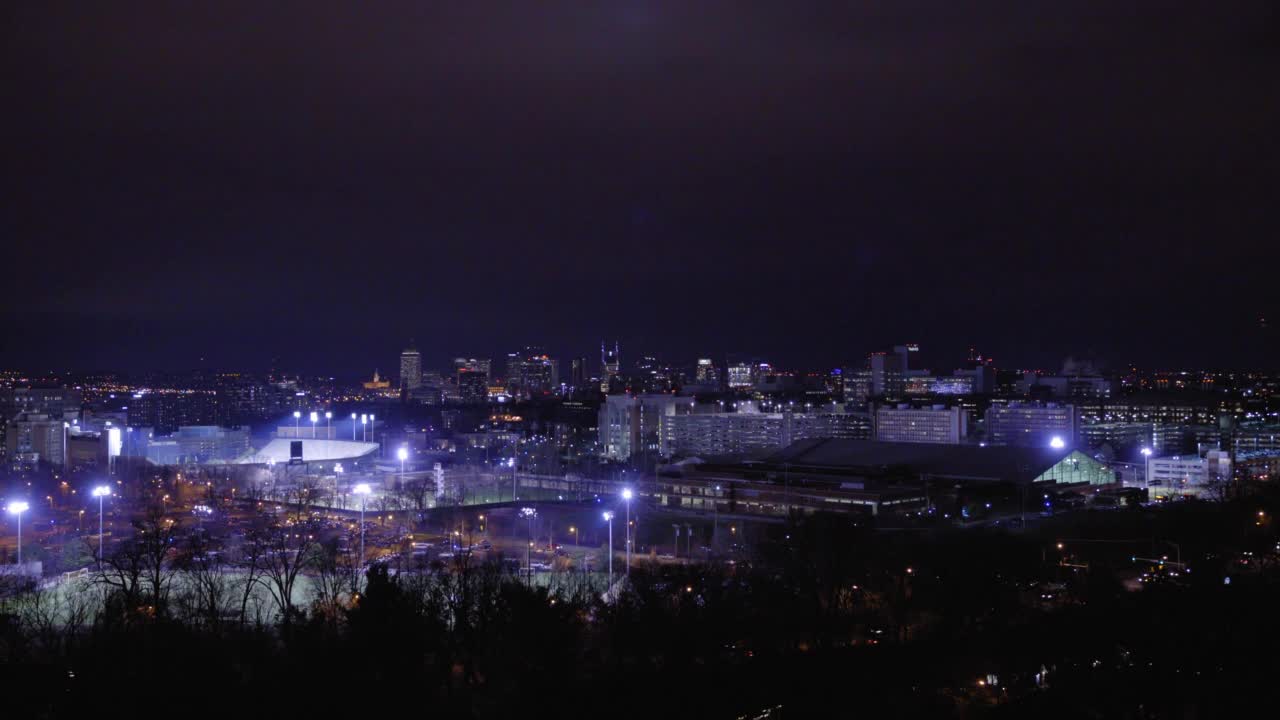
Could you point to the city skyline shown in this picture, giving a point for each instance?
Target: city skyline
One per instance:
(820, 359)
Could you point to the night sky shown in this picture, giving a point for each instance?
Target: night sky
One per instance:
(226, 183)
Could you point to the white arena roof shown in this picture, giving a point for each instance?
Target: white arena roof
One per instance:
(277, 451)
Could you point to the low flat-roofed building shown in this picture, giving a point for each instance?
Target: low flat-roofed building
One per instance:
(971, 463)
(867, 476)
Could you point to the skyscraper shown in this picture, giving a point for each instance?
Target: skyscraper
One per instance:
(610, 364)
(410, 368)
(578, 373)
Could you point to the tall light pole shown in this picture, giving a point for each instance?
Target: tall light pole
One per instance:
(297, 416)
(337, 477)
(715, 517)
(1146, 470)
(529, 514)
(511, 463)
(373, 428)
(328, 424)
(353, 427)
(363, 491)
(626, 496)
(101, 492)
(314, 418)
(402, 454)
(608, 516)
(17, 508)
(364, 427)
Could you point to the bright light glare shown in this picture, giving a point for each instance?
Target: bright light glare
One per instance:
(297, 414)
(18, 507)
(403, 454)
(1057, 443)
(102, 490)
(361, 489)
(627, 494)
(1146, 451)
(608, 516)
(314, 416)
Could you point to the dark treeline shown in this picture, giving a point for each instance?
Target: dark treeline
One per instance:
(825, 619)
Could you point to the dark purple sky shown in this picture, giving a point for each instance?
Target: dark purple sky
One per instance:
(804, 181)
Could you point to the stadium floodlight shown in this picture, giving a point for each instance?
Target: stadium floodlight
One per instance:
(402, 454)
(361, 489)
(1057, 443)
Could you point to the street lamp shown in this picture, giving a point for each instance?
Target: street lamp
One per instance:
(297, 415)
(1146, 470)
(529, 514)
(101, 492)
(627, 495)
(363, 491)
(353, 427)
(314, 419)
(608, 516)
(17, 508)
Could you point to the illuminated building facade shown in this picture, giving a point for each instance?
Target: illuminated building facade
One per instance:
(940, 425)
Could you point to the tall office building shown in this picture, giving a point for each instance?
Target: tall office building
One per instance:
(937, 424)
(532, 373)
(480, 365)
(888, 373)
(742, 375)
(631, 424)
(857, 386)
(707, 373)
(610, 364)
(1032, 424)
(723, 433)
(578, 373)
(33, 438)
(473, 387)
(410, 368)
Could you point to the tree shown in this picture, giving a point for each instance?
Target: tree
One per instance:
(287, 551)
(139, 570)
(206, 598)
